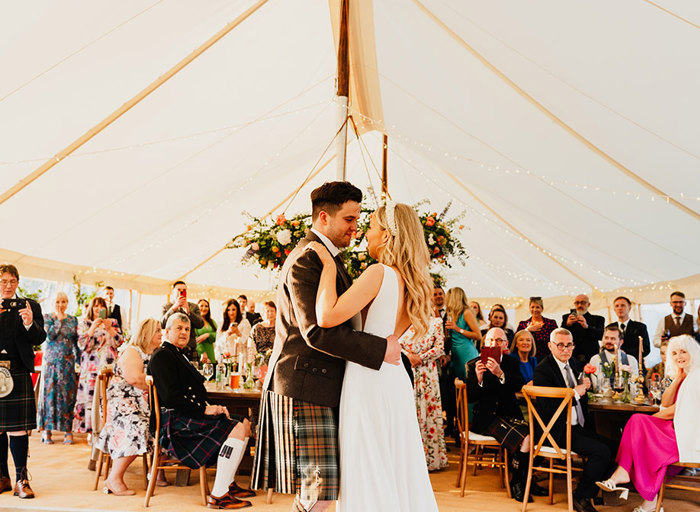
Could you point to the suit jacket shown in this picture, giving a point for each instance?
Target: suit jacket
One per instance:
(547, 373)
(196, 322)
(307, 361)
(16, 340)
(630, 342)
(253, 318)
(586, 340)
(180, 386)
(117, 315)
(493, 399)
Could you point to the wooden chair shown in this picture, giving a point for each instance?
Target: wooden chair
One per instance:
(166, 462)
(497, 457)
(553, 452)
(674, 482)
(101, 385)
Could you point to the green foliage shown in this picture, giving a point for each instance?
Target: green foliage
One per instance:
(81, 296)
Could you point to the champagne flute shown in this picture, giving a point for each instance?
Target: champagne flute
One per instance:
(208, 371)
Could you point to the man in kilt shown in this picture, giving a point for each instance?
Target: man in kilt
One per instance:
(491, 389)
(191, 430)
(297, 445)
(21, 328)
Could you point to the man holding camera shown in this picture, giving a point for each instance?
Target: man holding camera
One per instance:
(587, 329)
(178, 304)
(21, 328)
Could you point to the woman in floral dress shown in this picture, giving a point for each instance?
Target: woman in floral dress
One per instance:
(126, 435)
(58, 379)
(423, 355)
(98, 339)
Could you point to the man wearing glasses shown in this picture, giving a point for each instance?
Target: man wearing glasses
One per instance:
(677, 323)
(586, 328)
(21, 329)
(560, 369)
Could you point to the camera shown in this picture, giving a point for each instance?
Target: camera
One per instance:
(13, 304)
(573, 312)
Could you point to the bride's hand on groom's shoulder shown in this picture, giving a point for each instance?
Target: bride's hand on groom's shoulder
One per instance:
(322, 252)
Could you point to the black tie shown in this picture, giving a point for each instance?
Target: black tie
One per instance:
(622, 331)
(577, 404)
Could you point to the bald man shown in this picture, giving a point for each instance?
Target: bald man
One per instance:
(586, 328)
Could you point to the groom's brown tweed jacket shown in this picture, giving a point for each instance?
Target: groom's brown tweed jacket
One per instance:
(308, 362)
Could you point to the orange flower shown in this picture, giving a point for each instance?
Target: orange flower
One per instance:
(281, 219)
(287, 251)
(295, 223)
(436, 250)
(430, 221)
(249, 227)
(275, 248)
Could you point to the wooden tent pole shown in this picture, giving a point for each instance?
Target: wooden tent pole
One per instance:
(24, 182)
(343, 90)
(385, 174)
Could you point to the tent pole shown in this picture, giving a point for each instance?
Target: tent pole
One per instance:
(343, 90)
(46, 166)
(385, 175)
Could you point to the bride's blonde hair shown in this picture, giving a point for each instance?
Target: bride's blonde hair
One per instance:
(408, 252)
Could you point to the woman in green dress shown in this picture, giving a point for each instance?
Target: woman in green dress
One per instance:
(464, 330)
(206, 335)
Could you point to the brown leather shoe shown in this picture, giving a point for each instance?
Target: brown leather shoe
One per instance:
(227, 502)
(239, 492)
(5, 484)
(23, 490)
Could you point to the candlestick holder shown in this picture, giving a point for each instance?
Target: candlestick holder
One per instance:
(640, 397)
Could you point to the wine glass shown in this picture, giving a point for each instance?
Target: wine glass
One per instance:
(208, 371)
(655, 390)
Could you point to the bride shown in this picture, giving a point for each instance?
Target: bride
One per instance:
(382, 464)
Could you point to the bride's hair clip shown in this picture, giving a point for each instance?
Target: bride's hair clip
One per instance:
(391, 217)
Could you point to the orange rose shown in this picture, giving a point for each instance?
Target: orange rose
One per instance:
(430, 221)
(281, 219)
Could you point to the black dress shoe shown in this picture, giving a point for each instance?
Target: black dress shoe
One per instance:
(583, 505)
(517, 491)
(538, 490)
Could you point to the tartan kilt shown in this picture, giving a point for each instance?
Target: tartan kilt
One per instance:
(18, 409)
(510, 432)
(297, 448)
(194, 441)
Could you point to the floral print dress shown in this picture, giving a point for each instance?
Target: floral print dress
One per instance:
(427, 391)
(98, 350)
(126, 431)
(58, 379)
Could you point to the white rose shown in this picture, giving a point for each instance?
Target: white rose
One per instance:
(431, 239)
(284, 237)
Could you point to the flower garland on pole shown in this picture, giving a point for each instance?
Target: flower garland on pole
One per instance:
(268, 243)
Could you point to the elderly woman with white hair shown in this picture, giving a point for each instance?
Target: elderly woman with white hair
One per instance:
(674, 429)
(59, 384)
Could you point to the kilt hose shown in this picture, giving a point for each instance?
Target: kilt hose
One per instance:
(297, 448)
(18, 409)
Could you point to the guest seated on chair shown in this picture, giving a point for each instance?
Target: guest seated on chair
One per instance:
(612, 343)
(560, 369)
(192, 430)
(125, 435)
(673, 431)
(491, 388)
(523, 350)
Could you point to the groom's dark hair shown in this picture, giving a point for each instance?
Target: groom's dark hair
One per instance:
(330, 196)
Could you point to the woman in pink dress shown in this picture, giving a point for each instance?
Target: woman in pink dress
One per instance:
(673, 430)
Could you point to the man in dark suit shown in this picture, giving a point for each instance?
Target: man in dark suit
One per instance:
(630, 331)
(114, 310)
(586, 328)
(447, 380)
(179, 304)
(560, 369)
(21, 329)
(302, 387)
(251, 316)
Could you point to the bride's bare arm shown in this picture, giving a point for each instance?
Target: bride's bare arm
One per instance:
(332, 310)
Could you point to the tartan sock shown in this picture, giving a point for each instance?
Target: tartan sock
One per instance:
(226, 465)
(4, 471)
(19, 446)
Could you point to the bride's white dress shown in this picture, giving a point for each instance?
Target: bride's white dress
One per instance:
(382, 464)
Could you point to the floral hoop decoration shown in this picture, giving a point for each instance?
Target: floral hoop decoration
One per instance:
(269, 243)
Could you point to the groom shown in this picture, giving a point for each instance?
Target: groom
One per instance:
(297, 446)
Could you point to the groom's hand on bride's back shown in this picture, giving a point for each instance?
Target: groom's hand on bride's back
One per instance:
(393, 350)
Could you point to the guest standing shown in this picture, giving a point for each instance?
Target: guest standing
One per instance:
(58, 374)
(115, 311)
(206, 335)
(498, 318)
(234, 331)
(126, 433)
(586, 328)
(21, 329)
(476, 309)
(263, 333)
(423, 354)
(98, 340)
(523, 350)
(179, 304)
(540, 327)
(674, 429)
(465, 331)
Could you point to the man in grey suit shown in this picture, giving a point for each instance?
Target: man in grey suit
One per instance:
(297, 450)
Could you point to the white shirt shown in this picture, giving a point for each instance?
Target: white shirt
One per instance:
(326, 241)
(562, 368)
(595, 361)
(661, 327)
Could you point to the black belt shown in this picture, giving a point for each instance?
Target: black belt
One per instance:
(11, 364)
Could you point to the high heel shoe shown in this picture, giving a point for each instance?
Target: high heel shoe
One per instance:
(610, 486)
(107, 489)
(68, 438)
(46, 438)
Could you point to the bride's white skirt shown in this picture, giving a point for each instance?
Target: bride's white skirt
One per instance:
(382, 463)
